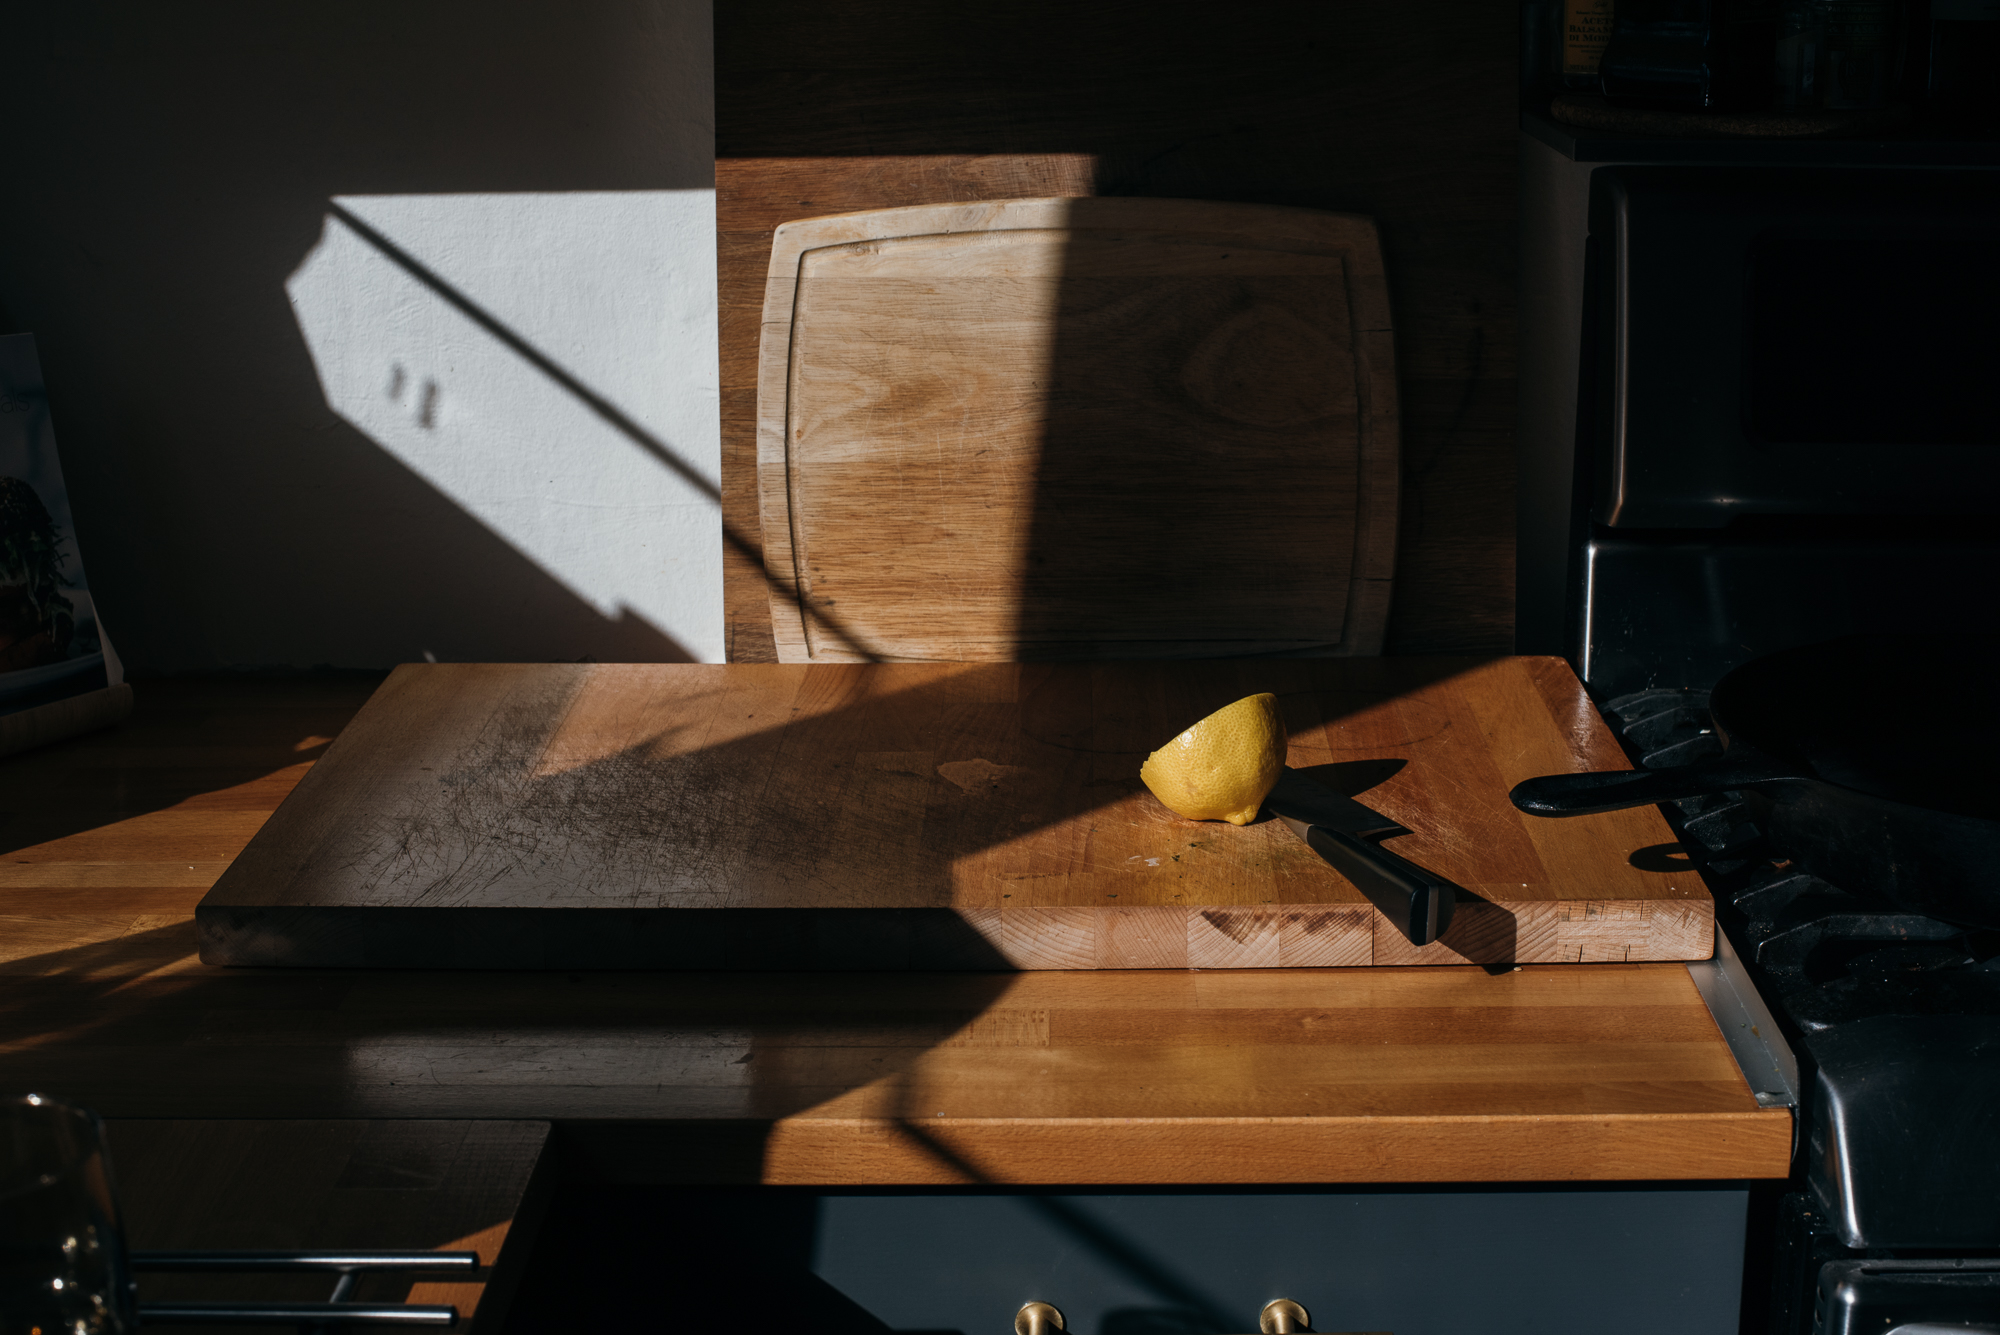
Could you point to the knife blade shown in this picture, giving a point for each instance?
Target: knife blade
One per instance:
(1343, 831)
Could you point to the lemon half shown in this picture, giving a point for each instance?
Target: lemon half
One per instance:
(1223, 767)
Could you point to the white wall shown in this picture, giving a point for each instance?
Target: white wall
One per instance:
(376, 331)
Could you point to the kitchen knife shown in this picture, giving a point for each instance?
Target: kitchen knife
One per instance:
(1342, 831)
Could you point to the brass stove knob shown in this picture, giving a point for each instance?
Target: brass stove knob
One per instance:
(1037, 1319)
(1282, 1316)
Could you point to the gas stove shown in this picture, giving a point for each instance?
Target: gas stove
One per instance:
(1887, 1042)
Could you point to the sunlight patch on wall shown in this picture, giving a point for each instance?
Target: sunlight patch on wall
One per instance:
(548, 362)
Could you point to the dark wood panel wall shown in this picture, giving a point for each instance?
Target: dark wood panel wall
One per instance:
(1400, 109)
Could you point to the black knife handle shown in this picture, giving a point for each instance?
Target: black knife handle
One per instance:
(1418, 902)
(1615, 790)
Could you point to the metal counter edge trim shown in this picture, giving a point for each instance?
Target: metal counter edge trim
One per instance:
(1747, 1026)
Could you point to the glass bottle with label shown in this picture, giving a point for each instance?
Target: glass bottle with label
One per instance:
(1586, 27)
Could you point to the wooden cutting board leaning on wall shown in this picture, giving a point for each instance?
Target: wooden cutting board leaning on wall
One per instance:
(1077, 428)
(931, 816)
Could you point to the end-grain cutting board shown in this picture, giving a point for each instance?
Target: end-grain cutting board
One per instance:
(930, 816)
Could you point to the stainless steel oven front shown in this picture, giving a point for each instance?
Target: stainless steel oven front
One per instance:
(1756, 397)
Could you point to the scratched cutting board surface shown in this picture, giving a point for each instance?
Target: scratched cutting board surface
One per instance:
(931, 816)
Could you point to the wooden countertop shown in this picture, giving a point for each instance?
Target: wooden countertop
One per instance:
(1547, 1072)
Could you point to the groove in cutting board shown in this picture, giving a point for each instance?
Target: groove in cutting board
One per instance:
(994, 410)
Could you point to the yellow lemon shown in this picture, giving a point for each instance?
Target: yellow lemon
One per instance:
(1224, 766)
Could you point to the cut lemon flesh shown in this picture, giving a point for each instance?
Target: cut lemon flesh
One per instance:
(1223, 767)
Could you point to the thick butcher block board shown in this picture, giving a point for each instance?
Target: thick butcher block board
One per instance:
(931, 816)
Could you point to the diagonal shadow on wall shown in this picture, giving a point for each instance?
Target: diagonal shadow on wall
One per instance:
(173, 171)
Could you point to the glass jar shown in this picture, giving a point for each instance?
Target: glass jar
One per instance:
(62, 1257)
(1836, 55)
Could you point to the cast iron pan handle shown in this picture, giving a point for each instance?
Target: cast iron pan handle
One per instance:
(1614, 790)
(1418, 902)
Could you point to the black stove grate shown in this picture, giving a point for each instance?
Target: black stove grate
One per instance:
(1825, 954)
(1894, 1017)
